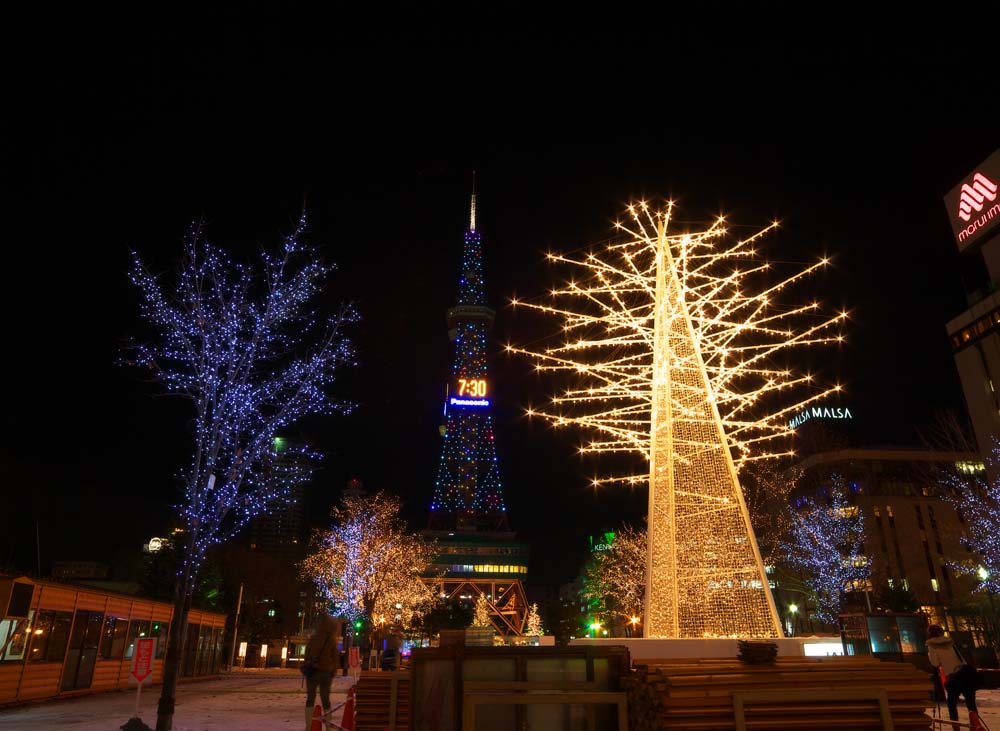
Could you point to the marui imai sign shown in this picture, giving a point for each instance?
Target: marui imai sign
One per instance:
(820, 412)
(974, 204)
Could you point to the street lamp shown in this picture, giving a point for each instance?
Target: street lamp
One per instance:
(983, 573)
(793, 609)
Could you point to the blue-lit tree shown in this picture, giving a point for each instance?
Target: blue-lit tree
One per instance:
(825, 543)
(974, 492)
(245, 345)
(975, 495)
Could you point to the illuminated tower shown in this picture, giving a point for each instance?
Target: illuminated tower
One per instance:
(468, 494)
(468, 517)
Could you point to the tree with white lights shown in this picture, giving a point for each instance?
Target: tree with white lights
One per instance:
(826, 544)
(481, 612)
(533, 624)
(368, 566)
(247, 349)
(615, 578)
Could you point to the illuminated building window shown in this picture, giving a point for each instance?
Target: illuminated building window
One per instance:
(934, 585)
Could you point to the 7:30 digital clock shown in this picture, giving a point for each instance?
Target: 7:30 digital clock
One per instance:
(472, 388)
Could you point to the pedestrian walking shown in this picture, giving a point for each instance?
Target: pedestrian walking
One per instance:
(321, 663)
(958, 677)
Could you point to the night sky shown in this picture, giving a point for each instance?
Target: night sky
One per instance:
(120, 139)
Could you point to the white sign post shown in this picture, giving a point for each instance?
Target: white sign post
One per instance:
(141, 669)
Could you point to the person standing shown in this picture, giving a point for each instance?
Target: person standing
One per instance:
(392, 655)
(958, 677)
(321, 663)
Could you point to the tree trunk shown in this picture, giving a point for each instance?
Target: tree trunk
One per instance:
(175, 650)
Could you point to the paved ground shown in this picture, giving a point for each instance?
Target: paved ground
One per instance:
(271, 700)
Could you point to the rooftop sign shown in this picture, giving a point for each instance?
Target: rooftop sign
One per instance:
(974, 204)
(820, 412)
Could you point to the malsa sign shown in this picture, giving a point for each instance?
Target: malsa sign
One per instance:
(974, 204)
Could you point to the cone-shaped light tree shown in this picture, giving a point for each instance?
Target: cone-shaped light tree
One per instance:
(675, 346)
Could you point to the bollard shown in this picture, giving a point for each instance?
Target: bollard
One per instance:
(347, 723)
(317, 719)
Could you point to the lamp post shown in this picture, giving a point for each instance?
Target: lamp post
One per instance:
(236, 627)
(983, 575)
(793, 609)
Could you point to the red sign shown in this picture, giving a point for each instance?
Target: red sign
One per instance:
(974, 204)
(142, 660)
(354, 659)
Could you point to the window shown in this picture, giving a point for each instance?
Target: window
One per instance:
(14, 634)
(50, 636)
(138, 628)
(160, 630)
(934, 585)
(113, 637)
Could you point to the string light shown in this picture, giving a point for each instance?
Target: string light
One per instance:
(252, 355)
(533, 625)
(975, 495)
(468, 488)
(614, 580)
(367, 565)
(825, 544)
(673, 354)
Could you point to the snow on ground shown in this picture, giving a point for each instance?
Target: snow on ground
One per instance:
(988, 702)
(269, 700)
(253, 700)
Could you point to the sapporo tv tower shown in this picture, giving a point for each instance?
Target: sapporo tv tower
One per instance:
(468, 517)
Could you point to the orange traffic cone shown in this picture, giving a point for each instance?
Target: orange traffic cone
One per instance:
(347, 722)
(975, 722)
(317, 719)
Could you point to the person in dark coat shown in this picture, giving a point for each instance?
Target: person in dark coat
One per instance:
(958, 677)
(393, 650)
(322, 647)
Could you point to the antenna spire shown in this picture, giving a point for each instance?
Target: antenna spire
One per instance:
(472, 211)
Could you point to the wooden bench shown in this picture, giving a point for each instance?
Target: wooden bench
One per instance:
(523, 693)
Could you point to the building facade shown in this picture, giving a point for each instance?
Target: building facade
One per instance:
(60, 640)
(973, 208)
(910, 533)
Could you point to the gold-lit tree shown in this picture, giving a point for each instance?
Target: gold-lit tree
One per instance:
(368, 566)
(676, 356)
(615, 579)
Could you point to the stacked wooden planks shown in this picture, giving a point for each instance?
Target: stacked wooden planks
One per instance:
(815, 693)
(382, 701)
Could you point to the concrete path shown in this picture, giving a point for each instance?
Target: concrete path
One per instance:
(263, 700)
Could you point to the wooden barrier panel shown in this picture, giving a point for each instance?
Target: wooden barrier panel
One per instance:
(704, 694)
(382, 701)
